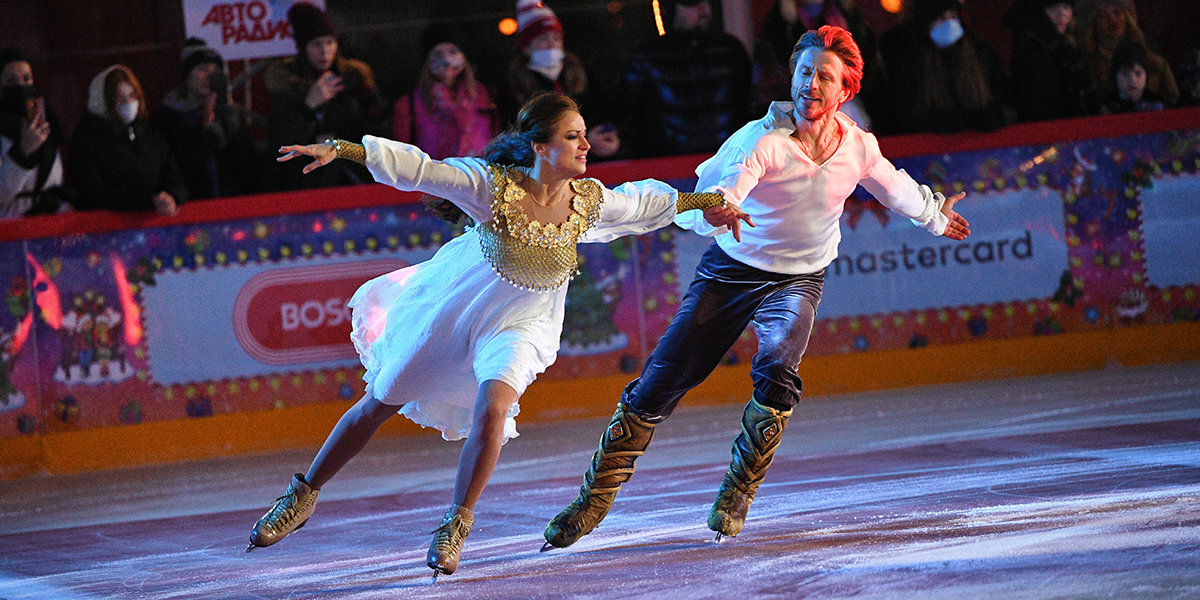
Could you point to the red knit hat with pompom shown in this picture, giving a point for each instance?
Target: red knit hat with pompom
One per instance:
(533, 19)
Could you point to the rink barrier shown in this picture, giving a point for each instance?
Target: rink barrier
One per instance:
(51, 433)
(593, 398)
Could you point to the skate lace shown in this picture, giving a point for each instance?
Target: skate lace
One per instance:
(449, 536)
(285, 509)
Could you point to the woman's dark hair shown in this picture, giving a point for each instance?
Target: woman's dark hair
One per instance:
(535, 123)
(1126, 55)
(11, 54)
(514, 147)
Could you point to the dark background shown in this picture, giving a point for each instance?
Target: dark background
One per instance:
(69, 41)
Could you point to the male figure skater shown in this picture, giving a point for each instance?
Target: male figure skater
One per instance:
(787, 177)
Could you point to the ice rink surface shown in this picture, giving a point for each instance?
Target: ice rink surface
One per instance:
(1080, 485)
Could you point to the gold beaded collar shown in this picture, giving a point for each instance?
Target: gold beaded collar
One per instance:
(528, 254)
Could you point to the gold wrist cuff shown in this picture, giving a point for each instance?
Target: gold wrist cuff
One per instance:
(349, 150)
(698, 200)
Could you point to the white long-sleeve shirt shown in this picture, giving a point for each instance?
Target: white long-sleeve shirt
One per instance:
(795, 203)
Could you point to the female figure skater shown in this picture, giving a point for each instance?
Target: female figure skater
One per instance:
(483, 317)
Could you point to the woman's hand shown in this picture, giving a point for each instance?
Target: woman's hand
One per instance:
(324, 89)
(957, 228)
(322, 154)
(34, 129)
(208, 110)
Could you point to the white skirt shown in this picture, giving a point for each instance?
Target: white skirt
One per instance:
(428, 334)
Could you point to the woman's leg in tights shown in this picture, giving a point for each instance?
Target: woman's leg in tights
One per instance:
(482, 448)
(348, 438)
(475, 465)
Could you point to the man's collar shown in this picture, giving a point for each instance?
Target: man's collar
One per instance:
(780, 116)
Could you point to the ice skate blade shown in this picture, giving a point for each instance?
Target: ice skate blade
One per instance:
(720, 538)
(547, 547)
(250, 547)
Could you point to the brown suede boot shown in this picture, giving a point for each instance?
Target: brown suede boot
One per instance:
(753, 449)
(624, 440)
(291, 512)
(446, 547)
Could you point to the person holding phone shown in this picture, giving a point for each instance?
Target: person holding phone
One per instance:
(320, 94)
(31, 167)
(208, 134)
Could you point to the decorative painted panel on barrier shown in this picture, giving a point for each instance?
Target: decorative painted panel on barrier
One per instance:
(230, 316)
(177, 322)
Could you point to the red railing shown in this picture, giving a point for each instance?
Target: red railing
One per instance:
(667, 168)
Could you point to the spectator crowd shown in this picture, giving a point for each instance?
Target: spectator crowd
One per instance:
(679, 93)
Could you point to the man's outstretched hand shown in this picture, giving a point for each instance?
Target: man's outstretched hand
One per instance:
(728, 215)
(957, 228)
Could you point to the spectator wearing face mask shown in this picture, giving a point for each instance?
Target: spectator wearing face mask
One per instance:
(543, 65)
(450, 113)
(31, 168)
(118, 159)
(943, 77)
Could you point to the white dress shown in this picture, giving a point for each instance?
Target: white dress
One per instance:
(428, 334)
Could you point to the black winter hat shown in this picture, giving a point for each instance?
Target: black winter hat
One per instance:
(9, 54)
(195, 53)
(309, 23)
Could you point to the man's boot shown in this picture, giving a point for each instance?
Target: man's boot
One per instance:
(624, 440)
(762, 428)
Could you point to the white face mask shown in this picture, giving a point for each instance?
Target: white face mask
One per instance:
(947, 32)
(548, 62)
(128, 112)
